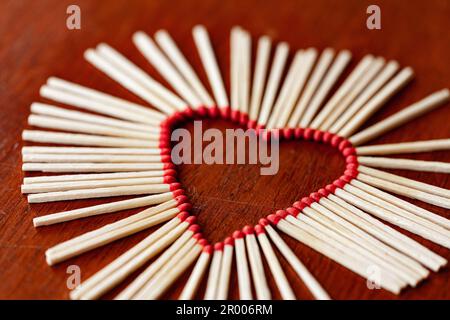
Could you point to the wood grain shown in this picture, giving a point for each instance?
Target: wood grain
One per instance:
(36, 44)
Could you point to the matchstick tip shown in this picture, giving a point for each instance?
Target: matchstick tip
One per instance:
(259, 229)
(169, 179)
(183, 216)
(191, 219)
(248, 230)
(238, 234)
(198, 236)
(170, 172)
(293, 211)
(195, 228)
(299, 205)
(281, 213)
(229, 241)
(218, 246)
(177, 193)
(274, 219)
(186, 207)
(264, 222)
(208, 249)
(203, 242)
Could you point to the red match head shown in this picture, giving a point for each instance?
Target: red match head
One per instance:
(281, 213)
(185, 207)
(191, 219)
(194, 228)
(259, 229)
(264, 222)
(238, 234)
(248, 230)
(169, 172)
(198, 236)
(218, 246)
(273, 218)
(174, 186)
(177, 193)
(229, 241)
(183, 216)
(181, 199)
(207, 248)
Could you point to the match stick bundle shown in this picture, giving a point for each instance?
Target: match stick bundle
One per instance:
(113, 147)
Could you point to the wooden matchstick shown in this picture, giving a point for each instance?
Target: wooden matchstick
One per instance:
(276, 71)
(405, 191)
(225, 269)
(409, 113)
(131, 260)
(392, 87)
(206, 52)
(418, 211)
(405, 181)
(177, 58)
(86, 158)
(103, 208)
(49, 110)
(287, 89)
(152, 53)
(214, 272)
(99, 176)
(313, 83)
(259, 76)
(404, 147)
(149, 212)
(256, 265)
(308, 279)
(101, 102)
(93, 151)
(353, 98)
(62, 254)
(190, 288)
(92, 167)
(145, 90)
(85, 139)
(405, 164)
(101, 192)
(346, 87)
(90, 128)
(245, 71)
(90, 184)
(372, 88)
(274, 265)
(381, 233)
(244, 282)
(235, 42)
(328, 81)
(144, 277)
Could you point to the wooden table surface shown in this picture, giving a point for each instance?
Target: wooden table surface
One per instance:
(36, 44)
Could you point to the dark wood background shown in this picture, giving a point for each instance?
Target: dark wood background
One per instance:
(36, 44)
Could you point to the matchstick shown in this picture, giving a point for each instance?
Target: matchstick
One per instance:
(245, 71)
(328, 238)
(286, 89)
(256, 265)
(90, 128)
(390, 259)
(144, 90)
(405, 181)
(405, 164)
(277, 271)
(353, 99)
(417, 251)
(62, 254)
(276, 71)
(308, 279)
(372, 88)
(415, 110)
(99, 176)
(391, 88)
(85, 158)
(259, 76)
(404, 147)
(214, 272)
(381, 233)
(403, 218)
(206, 52)
(117, 271)
(170, 48)
(152, 53)
(225, 269)
(93, 151)
(102, 192)
(104, 103)
(405, 191)
(103, 208)
(191, 286)
(176, 269)
(85, 139)
(301, 77)
(179, 202)
(109, 54)
(418, 211)
(244, 282)
(313, 83)
(91, 184)
(92, 167)
(342, 91)
(235, 56)
(144, 277)
(50, 110)
(328, 81)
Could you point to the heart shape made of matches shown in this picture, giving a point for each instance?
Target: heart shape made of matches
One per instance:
(289, 134)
